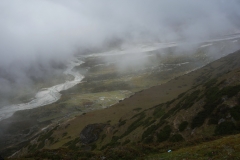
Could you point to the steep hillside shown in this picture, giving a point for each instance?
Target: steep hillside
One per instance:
(110, 78)
(223, 148)
(151, 121)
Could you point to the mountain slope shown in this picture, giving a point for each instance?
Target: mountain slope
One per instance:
(207, 108)
(223, 148)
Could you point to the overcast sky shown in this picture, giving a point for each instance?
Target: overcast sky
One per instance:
(46, 28)
(35, 31)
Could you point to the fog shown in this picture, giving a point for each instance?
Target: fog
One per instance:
(37, 37)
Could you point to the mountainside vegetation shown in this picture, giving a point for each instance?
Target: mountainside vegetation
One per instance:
(140, 127)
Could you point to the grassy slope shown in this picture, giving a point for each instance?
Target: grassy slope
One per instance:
(224, 69)
(144, 100)
(224, 148)
(149, 98)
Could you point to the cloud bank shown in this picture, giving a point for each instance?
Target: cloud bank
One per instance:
(36, 33)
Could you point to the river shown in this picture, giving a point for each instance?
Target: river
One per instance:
(46, 95)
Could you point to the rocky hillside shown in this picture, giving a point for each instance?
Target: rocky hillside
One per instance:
(150, 121)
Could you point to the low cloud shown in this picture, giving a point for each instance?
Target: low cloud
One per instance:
(36, 33)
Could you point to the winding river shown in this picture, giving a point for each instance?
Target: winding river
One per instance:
(50, 95)
(46, 95)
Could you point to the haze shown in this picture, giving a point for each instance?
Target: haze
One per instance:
(34, 34)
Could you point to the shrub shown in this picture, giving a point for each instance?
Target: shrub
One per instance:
(212, 94)
(64, 134)
(230, 91)
(210, 83)
(121, 123)
(115, 131)
(41, 145)
(115, 138)
(141, 114)
(137, 109)
(103, 136)
(149, 131)
(158, 112)
(150, 122)
(148, 139)
(199, 119)
(183, 126)
(164, 134)
(32, 148)
(170, 112)
(135, 124)
(93, 146)
(235, 112)
(126, 142)
(72, 144)
(176, 138)
(225, 128)
(213, 120)
(45, 136)
(190, 99)
(51, 140)
(181, 95)
(122, 153)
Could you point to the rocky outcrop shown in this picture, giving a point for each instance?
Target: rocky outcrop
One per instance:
(91, 133)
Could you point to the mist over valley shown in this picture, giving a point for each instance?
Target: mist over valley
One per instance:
(129, 71)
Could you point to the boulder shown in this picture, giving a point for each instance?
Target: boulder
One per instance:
(91, 133)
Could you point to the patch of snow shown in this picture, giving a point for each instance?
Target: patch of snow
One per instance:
(206, 45)
(102, 98)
